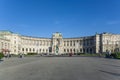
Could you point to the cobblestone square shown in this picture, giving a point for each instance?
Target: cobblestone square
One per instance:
(60, 68)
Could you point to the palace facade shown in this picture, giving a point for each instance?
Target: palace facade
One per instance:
(99, 43)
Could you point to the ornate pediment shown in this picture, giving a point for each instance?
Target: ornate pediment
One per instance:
(57, 35)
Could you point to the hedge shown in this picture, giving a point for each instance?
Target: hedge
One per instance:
(1, 55)
(116, 55)
(31, 53)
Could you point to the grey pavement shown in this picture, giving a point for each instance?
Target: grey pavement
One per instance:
(60, 68)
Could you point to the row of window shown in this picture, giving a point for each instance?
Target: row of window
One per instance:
(34, 50)
(80, 44)
(87, 50)
(37, 43)
(110, 42)
(4, 45)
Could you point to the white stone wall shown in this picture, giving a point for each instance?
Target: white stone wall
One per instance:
(89, 44)
(110, 42)
(4, 45)
(34, 45)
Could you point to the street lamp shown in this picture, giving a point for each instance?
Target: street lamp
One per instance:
(107, 46)
(77, 46)
(37, 48)
(118, 46)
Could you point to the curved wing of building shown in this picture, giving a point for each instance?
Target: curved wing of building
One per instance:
(98, 43)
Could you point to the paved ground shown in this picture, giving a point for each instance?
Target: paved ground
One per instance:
(60, 68)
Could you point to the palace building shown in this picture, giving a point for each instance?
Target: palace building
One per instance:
(99, 43)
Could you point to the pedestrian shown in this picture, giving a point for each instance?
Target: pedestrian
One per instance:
(5, 55)
(70, 54)
(20, 55)
(109, 54)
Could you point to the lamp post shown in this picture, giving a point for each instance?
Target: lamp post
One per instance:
(37, 45)
(117, 46)
(77, 46)
(107, 46)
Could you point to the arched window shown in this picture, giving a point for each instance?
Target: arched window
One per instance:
(68, 50)
(46, 50)
(22, 49)
(30, 49)
(83, 50)
(33, 49)
(74, 43)
(64, 50)
(74, 50)
(80, 50)
(26, 49)
(90, 50)
(43, 50)
(40, 50)
(67, 43)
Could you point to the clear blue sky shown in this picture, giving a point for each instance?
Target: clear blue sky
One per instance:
(73, 18)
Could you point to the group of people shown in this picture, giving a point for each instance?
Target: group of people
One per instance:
(21, 55)
(70, 54)
(108, 54)
(7, 55)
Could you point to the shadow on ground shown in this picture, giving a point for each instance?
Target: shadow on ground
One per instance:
(111, 73)
(112, 65)
(1, 60)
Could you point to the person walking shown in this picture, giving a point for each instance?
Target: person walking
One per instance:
(70, 54)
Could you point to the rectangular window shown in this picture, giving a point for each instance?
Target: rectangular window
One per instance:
(64, 50)
(22, 49)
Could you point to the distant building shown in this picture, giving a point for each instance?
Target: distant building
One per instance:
(99, 43)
